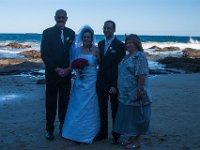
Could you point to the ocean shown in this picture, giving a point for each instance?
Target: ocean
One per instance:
(147, 41)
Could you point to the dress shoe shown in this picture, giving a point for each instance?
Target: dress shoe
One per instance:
(49, 136)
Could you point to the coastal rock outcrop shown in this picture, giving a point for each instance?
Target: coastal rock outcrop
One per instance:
(10, 61)
(186, 64)
(17, 45)
(155, 47)
(191, 53)
(23, 67)
(30, 54)
(170, 48)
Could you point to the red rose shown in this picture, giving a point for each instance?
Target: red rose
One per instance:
(79, 63)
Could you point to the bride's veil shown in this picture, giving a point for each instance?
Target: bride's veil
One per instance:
(79, 42)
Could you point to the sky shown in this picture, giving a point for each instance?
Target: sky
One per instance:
(143, 17)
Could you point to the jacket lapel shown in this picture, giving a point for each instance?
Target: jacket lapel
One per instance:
(102, 49)
(110, 47)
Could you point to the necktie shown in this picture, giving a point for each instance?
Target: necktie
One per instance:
(107, 44)
(62, 36)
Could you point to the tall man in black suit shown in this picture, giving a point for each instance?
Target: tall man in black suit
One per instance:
(55, 52)
(111, 53)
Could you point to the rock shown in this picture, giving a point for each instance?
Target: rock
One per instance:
(186, 64)
(24, 67)
(155, 47)
(191, 53)
(11, 61)
(14, 61)
(17, 45)
(171, 48)
(31, 54)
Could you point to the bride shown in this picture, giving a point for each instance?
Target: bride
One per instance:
(82, 121)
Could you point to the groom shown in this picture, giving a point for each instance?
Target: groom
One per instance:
(111, 53)
(55, 52)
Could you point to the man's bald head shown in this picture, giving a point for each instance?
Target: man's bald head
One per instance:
(61, 11)
(61, 18)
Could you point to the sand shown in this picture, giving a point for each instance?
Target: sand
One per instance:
(175, 122)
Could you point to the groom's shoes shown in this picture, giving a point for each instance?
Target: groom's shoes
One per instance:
(49, 136)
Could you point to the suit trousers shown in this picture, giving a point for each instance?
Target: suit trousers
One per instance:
(57, 92)
(103, 97)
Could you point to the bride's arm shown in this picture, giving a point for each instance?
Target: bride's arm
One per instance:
(97, 54)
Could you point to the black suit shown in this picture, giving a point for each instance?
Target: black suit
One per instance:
(107, 78)
(55, 53)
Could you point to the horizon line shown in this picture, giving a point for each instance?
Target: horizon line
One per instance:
(118, 34)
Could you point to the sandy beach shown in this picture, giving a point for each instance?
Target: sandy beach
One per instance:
(175, 122)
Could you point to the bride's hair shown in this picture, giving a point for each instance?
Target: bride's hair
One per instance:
(91, 33)
(79, 37)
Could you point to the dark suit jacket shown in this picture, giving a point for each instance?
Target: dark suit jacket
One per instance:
(108, 67)
(53, 52)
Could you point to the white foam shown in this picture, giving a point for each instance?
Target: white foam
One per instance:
(191, 40)
(155, 65)
(178, 53)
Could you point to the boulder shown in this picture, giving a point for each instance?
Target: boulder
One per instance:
(191, 53)
(186, 64)
(23, 67)
(17, 45)
(171, 48)
(30, 54)
(10, 61)
(155, 47)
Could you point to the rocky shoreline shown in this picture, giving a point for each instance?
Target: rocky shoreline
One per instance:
(31, 61)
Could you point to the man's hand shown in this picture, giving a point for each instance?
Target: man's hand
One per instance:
(62, 72)
(66, 72)
(58, 70)
(113, 90)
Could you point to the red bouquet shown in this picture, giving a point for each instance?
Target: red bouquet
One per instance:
(79, 63)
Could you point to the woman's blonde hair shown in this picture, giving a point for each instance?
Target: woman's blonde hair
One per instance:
(136, 40)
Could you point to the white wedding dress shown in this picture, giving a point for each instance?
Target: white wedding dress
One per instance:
(82, 120)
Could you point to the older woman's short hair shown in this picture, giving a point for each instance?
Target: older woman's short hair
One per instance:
(136, 40)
